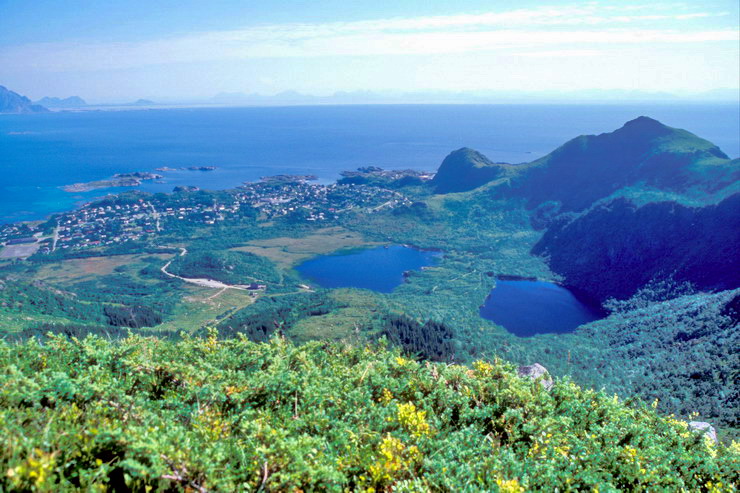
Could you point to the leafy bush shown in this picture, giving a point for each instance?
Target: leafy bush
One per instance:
(153, 415)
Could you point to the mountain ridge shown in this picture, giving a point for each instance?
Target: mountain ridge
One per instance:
(12, 102)
(643, 152)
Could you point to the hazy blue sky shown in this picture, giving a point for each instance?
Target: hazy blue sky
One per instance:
(113, 50)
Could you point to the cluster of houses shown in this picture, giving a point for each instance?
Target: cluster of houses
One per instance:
(94, 226)
(119, 221)
(317, 202)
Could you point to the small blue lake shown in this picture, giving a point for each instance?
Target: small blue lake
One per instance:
(379, 269)
(526, 308)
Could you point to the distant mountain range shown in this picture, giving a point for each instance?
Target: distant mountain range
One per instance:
(12, 102)
(287, 98)
(470, 97)
(70, 102)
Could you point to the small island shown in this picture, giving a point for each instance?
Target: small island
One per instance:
(201, 168)
(289, 178)
(118, 180)
(186, 188)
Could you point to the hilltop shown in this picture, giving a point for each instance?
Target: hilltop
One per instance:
(466, 169)
(12, 102)
(643, 152)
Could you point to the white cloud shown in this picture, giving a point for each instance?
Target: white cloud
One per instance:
(556, 31)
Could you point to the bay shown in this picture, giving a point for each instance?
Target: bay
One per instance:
(39, 153)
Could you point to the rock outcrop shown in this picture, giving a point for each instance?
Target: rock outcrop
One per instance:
(538, 373)
(704, 427)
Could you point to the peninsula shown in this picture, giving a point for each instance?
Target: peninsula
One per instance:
(119, 180)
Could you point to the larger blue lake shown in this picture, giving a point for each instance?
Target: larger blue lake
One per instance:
(527, 308)
(41, 152)
(379, 269)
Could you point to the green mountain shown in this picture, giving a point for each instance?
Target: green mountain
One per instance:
(644, 152)
(596, 197)
(12, 102)
(466, 169)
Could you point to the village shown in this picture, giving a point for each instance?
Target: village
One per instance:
(119, 219)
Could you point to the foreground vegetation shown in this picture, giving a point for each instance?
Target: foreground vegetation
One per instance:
(205, 414)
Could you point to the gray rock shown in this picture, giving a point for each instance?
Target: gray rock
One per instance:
(705, 428)
(536, 372)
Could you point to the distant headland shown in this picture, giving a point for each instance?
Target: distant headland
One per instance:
(119, 180)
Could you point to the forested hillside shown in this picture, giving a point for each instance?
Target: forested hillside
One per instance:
(616, 248)
(207, 415)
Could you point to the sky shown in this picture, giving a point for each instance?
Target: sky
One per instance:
(110, 50)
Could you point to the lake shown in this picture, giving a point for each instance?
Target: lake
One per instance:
(379, 269)
(41, 152)
(527, 308)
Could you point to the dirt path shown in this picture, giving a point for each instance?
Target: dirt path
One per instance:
(55, 238)
(156, 216)
(206, 283)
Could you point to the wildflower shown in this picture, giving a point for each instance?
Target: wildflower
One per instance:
(509, 485)
(386, 396)
(412, 420)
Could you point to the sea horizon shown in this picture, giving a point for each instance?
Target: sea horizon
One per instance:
(43, 152)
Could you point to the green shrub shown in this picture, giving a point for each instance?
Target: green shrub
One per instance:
(153, 415)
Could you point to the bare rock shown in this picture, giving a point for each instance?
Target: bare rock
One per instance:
(536, 372)
(705, 428)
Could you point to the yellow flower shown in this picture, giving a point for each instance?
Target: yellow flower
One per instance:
(394, 457)
(509, 485)
(412, 420)
(482, 367)
(386, 396)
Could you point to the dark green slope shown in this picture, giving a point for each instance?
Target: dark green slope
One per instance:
(466, 169)
(643, 153)
(615, 248)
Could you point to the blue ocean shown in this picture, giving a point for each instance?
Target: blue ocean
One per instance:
(39, 153)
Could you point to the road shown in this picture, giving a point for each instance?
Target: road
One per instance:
(206, 283)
